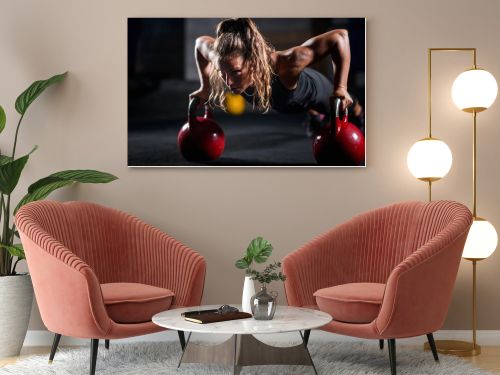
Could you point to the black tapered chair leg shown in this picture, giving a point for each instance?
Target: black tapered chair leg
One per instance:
(94, 345)
(432, 344)
(307, 333)
(55, 344)
(106, 344)
(392, 355)
(182, 339)
(381, 344)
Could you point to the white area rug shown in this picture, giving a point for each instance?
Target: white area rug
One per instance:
(162, 358)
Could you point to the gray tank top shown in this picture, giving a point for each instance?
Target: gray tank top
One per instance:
(313, 91)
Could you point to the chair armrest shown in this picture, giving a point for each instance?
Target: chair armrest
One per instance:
(321, 263)
(67, 290)
(419, 289)
(165, 262)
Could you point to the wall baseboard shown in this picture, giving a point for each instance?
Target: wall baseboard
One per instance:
(484, 337)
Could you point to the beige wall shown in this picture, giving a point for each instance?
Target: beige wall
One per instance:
(83, 124)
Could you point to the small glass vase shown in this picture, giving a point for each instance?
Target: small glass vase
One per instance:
(263, 304)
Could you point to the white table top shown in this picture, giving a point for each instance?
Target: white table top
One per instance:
(286, 319)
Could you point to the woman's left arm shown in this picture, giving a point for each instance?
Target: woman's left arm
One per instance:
(334, 43)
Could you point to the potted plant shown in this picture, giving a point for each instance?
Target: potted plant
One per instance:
(16, 291)
(259, 250)
(269, 274)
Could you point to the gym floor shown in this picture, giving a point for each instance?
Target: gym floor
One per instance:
(252, 139)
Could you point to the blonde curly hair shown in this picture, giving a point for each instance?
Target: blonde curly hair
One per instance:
(240, 36)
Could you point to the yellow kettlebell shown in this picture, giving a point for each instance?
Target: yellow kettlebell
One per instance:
(235, 104)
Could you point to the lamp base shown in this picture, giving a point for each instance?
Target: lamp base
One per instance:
(454, 347)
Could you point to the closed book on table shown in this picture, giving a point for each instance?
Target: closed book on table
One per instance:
(212, 317)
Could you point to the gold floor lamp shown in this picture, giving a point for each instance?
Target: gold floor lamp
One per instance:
(430, 159)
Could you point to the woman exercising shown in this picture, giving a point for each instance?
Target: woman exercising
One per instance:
(240, 60)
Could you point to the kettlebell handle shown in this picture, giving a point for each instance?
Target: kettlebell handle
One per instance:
(193, 106)
(337, 102)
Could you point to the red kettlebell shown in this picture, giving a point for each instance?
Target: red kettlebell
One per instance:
(339, 142)
(200, 138)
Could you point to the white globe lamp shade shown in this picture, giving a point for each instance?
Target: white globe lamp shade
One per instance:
(481, 241)
(474, 90)
(429, 159)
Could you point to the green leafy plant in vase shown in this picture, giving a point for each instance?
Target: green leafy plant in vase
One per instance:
(258, 251)
(269, 274)
(16, 292)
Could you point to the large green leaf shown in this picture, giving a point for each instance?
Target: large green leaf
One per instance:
(43, 187)
(76, 175)
(10, 172)
(86, 176)
(31, 93)
(3, 119)
(15, 250)
(259, 250)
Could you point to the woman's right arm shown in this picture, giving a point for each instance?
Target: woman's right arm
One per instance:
(203, 51)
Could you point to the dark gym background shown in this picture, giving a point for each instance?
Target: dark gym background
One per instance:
(162, 72)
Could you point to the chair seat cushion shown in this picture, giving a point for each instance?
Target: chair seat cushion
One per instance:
(351, 303)
(135, 303)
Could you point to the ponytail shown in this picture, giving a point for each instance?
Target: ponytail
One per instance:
(240, 36)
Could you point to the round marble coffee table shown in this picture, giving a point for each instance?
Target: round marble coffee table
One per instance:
(242, 348)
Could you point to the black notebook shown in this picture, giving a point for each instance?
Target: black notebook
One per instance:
(212, 316)
(198, 312)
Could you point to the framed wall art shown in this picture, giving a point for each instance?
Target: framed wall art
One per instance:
(281, 92)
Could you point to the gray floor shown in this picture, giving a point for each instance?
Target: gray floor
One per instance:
(251, 140)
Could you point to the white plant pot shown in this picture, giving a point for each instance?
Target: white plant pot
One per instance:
(16, 298)
(248, 292)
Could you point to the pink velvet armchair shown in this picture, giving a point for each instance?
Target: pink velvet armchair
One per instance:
(100, 273)
(385, 274)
